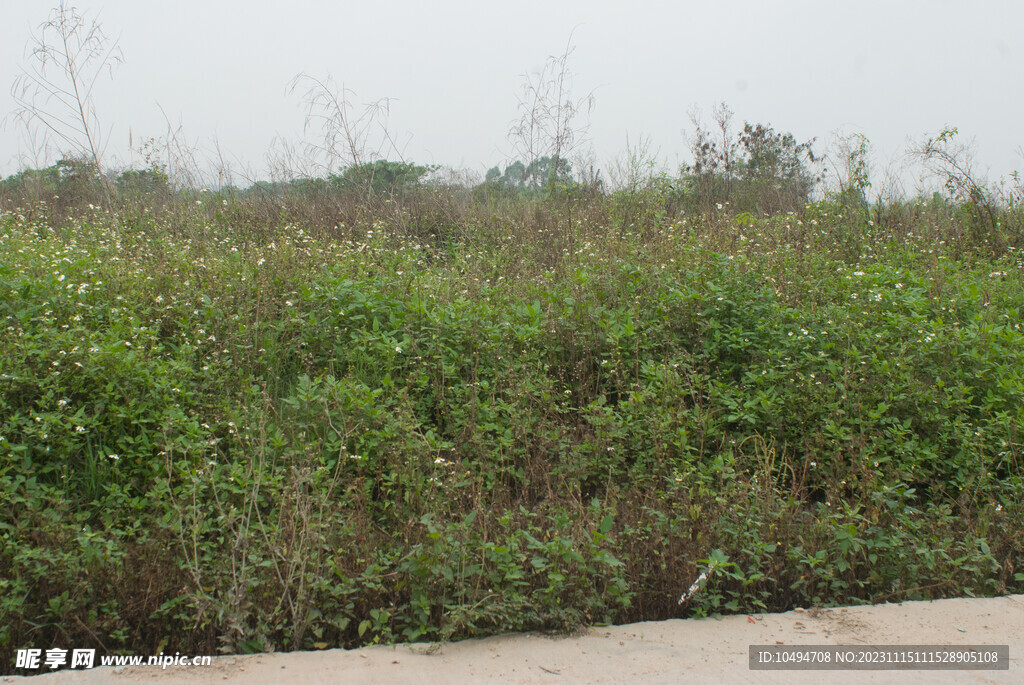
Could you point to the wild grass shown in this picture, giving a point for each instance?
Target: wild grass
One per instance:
(227, 430)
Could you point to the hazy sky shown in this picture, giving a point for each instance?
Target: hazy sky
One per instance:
(893, 70)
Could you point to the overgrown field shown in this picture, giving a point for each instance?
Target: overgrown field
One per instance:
(221, 437)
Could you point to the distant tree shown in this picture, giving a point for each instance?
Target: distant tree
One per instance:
(381, 177)
(71, 181)
(305, 187)
(513, 178)
(775, 170)
(78, 180)
(141, 183)
(550, 171)
(757, 169)
(263, 189)
(30, 184)
(541, 173)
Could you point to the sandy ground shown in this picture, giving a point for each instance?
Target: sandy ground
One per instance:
(704, 650)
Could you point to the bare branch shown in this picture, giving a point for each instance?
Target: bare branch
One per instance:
(547, 124)
(344, 136)
(55, 91)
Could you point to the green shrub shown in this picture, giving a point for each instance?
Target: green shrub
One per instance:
(226, 434)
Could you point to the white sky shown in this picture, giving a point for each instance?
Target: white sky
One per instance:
(893, 70)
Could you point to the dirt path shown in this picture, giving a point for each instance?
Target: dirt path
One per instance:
(704, 650)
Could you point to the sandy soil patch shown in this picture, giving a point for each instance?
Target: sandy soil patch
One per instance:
(693, 650)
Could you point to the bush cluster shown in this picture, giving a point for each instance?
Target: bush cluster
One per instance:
(437, 417)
